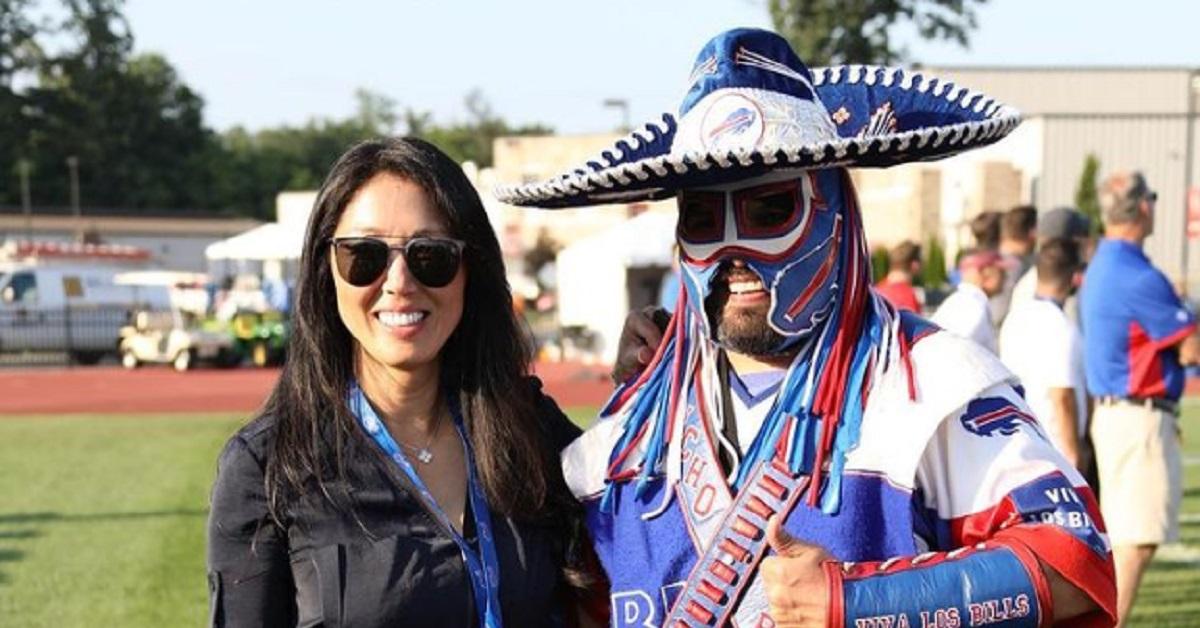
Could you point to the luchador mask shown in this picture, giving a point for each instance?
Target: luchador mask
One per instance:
(786, 228)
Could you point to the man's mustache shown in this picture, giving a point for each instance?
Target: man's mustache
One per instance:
(727, 272)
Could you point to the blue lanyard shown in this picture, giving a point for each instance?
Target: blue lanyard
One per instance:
(482, 567)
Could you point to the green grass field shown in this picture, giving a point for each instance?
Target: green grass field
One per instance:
(102, 522)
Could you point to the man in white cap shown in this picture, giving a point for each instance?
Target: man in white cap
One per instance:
(798, 452)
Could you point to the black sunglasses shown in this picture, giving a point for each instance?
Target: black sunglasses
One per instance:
(432, 261)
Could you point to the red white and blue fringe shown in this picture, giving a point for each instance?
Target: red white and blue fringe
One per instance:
(816, 418)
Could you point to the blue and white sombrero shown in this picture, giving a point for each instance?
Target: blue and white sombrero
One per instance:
(752, 107)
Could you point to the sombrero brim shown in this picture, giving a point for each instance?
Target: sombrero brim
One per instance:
(925, 119)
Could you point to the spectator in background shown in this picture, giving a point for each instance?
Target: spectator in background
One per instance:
(1045, 350)
(275, 288)
(904, 263)
(985, 231)
(965, 312)
(1061, 222)
(220, 296)
(985, 228)
(1137, 334)
(1072, 224)
(1017, 236)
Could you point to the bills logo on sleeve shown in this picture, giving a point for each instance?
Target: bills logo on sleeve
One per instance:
(987, 416)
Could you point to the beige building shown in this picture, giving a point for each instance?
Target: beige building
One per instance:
(1143, 118)
(898, 203)
(175, 240)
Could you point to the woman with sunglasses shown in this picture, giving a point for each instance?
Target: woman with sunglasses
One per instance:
(404, 469)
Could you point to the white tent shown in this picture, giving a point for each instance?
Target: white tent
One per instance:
(593, 274)
(270, 241)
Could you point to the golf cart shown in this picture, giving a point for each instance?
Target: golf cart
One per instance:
(172, 337)
(260, 336)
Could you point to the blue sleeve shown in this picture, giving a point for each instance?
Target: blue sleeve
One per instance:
(1156, 307)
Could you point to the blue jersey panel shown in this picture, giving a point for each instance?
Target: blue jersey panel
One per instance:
(648, 560)
(874, 522)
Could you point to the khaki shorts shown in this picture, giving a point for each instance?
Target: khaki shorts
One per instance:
(1140, 469)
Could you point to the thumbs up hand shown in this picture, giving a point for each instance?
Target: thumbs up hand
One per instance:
(797, 591)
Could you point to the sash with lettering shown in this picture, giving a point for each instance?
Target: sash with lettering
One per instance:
(729, 533)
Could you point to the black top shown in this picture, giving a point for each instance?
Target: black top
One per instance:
(396, 565)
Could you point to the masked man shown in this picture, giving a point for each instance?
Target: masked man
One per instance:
(797, 452)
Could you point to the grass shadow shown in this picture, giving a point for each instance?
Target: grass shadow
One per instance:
(1167, 565)
(8, 555)
(34, 518)
(45, 517)
(18, 534)
(27, 517)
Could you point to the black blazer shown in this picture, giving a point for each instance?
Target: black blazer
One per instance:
(395, 566)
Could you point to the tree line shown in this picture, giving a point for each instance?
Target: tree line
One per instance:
(75, 96)
(77, 103)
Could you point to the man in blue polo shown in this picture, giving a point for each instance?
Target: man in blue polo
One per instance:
(1137, 336)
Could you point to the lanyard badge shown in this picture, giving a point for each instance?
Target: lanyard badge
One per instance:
(483, 567)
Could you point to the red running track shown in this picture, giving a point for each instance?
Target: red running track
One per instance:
(161, 389)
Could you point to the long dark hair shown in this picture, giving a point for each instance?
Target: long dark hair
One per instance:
(484, 362)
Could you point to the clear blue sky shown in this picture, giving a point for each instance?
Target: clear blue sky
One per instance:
(267, 62)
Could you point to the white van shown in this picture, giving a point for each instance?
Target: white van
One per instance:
(77, 309)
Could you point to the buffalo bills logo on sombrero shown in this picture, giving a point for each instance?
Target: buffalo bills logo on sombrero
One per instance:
(732, 121)
(988, 416)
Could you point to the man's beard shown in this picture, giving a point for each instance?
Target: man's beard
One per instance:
(740, 329)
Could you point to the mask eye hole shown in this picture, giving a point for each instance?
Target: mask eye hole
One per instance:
(701, 216)
(770, 211)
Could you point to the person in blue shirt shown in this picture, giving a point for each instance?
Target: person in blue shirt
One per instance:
(1138, 334)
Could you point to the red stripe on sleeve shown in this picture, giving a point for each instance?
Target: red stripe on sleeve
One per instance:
(1041, 585)
(1076, 563)
(981, 526)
